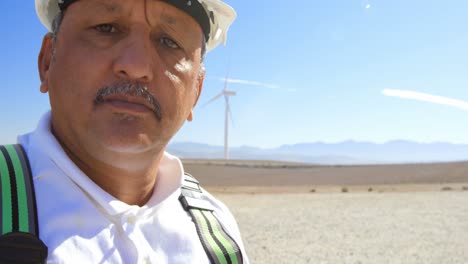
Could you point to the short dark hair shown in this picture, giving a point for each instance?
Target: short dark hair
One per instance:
(56, 23)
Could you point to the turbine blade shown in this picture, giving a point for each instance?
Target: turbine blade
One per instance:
(213, 99)
(226, 80)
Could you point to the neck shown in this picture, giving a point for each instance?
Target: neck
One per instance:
(133, 187)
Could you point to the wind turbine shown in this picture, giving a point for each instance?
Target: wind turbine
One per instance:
(226, 93)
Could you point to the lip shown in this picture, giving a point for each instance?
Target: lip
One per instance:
(128, 103)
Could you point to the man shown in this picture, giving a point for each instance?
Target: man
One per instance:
(122, 77)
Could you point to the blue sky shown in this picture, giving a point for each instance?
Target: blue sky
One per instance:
(324, 66)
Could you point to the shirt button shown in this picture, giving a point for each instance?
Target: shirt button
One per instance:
(131, 220)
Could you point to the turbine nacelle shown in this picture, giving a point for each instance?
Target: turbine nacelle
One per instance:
(229, 93)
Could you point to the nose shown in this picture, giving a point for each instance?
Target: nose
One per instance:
(135, 61)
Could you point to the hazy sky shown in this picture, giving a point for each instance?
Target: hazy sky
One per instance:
(303, 71)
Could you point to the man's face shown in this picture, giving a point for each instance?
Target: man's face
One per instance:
(122, 76)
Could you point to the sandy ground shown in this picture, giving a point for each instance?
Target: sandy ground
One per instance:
(299, 213)
(273, 174)
(395, 227)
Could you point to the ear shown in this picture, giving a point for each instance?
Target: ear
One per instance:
(44, 61)
(201, 78)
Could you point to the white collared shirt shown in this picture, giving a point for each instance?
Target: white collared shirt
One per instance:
(81, 223)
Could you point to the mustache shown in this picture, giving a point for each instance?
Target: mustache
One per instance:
(132, 89)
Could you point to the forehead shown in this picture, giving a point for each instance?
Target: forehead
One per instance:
(154, 11)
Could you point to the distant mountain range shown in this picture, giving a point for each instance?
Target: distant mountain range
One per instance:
(347, 152)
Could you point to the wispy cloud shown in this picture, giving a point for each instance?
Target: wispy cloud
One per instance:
(426, 98)
(252, 83)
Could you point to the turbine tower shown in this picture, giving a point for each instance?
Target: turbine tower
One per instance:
(226, 93)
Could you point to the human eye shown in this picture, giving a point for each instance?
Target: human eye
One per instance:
(169, 43)
(106, 28)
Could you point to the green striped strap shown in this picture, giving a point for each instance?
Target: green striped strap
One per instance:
(18, 203)
(19, 233)
(218, 244)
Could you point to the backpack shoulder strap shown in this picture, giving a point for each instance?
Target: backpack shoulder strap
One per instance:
(19, 233)
(218, 244)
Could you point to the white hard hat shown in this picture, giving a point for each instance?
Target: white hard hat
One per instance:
(214, 16)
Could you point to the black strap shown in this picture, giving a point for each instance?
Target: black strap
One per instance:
(218, 244)
(19, 236)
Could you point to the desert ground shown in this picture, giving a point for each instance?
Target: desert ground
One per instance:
(299, 213)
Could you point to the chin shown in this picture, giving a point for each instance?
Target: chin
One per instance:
(125, 136)
(133, 145)
(129, 155)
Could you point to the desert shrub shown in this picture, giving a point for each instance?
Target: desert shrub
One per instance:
(370, 190)
(312, 190)
(344, 190)
(446, 188)
(465, 188)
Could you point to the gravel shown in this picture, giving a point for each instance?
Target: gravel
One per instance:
(417, 227)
